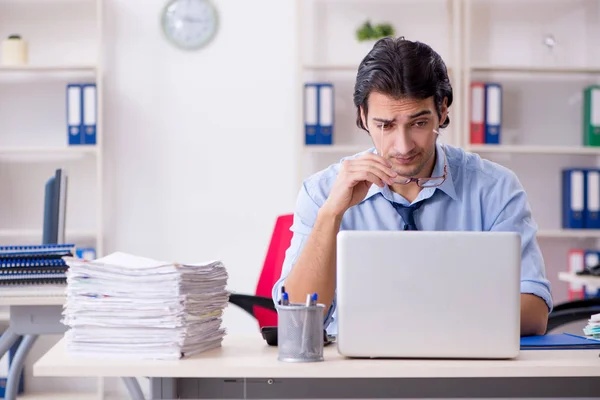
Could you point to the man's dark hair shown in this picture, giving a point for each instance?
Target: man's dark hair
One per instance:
(402, 69)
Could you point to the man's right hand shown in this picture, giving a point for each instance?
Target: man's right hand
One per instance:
(354, 180)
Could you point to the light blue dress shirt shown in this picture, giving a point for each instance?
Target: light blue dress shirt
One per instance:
(477, 195)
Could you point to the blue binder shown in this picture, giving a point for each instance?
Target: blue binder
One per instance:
(89, 100)
(311, 113)
(74, 105)
(325, 115)
(493, 113)
(591, 213)
(574, 198)
(561, 341)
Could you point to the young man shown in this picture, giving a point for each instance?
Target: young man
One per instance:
(407, 181)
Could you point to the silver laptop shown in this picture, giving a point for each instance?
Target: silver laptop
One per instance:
(423, 294)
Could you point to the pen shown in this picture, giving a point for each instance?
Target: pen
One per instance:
(285, 299)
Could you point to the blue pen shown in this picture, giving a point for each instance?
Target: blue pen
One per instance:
(313, 300)
(285, 299)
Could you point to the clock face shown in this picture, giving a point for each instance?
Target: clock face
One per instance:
(189, 24)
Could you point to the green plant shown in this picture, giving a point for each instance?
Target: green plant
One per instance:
(367, 31)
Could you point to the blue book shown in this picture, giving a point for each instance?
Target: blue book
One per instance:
(561, 341)
(311, 113)
(325, 114)
(493, 113)
(574, 198)
(591, 215)
(74, 100)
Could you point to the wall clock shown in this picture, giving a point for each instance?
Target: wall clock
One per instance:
(189, 24)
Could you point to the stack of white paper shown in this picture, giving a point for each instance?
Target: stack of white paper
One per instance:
(134, 307)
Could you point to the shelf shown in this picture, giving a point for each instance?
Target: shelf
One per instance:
(535, 69)
(534, 149)
(31, 233)
(569, 233)
(48, 68)
(348, 149)
(588, 280)
(62, 396)
(40, 154)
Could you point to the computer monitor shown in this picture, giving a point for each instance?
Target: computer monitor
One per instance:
(55, 208)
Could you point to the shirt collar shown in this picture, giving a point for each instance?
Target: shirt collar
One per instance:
(438, 170)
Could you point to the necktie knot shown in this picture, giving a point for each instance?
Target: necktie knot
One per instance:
(406, 212)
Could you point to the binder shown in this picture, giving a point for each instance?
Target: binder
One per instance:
(576, 291)
(43, 250)
(89, 113)
(560, 341)
(31, 265)
(592, 210)
(573, 198)
(493, 113)
(325, 115)
(591, 116)
(74, 114)
(477, 129)
(311, 100)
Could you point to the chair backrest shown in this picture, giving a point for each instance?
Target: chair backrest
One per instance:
(271, 271)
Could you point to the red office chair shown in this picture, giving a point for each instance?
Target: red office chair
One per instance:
(260, 305)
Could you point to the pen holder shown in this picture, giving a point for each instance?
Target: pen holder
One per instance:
(300, 332)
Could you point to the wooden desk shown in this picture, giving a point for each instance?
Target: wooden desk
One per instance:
(245, 367)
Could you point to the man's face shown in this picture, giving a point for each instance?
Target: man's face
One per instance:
(404, 131)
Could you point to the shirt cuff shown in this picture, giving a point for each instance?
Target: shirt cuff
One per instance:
(539, 289)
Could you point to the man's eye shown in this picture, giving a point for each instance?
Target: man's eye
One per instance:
(383, 126)
(421, 123)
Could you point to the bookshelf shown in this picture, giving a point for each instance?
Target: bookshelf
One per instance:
(480, 40)
(543, 54)
(65, 46)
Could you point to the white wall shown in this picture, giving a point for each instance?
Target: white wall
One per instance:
(200, 146)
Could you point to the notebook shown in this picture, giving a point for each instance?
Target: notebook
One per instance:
(561, 341)
(40, 264)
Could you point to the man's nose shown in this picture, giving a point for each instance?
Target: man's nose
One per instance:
(403, 144)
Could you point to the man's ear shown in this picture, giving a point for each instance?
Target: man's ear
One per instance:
(444, 113)
(363, 118)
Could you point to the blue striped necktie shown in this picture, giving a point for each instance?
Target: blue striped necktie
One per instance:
(406, 212)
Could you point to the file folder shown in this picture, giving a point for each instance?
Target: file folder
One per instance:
(591, 116)
(74, 114)
(325, 117)
(573, 198)
(561, 341)
(592, 209)
(477, 130)
(493, 115)
(89, 113)
(311, 95)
